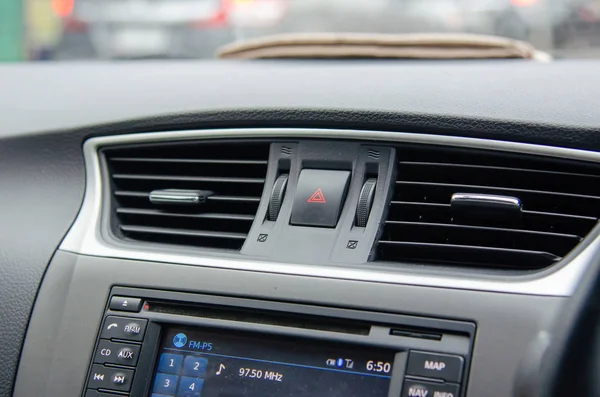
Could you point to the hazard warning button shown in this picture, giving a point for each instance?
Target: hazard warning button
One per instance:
(319, 198)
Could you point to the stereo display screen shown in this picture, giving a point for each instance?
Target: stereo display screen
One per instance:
(214, 363)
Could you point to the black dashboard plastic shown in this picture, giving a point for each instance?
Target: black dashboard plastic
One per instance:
(549, 103)
(48, 110)
(41, 188)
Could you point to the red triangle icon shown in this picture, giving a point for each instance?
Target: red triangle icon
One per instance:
(317, 197)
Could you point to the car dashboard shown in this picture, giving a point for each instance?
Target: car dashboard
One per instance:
(282, 228)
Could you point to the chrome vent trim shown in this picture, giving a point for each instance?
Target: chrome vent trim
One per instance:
(85, 236)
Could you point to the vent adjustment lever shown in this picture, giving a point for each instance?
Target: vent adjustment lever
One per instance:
(475, 203)
(179, 196)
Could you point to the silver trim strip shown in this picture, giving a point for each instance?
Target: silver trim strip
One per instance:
(85, 236)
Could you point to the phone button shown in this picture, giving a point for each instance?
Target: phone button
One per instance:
(124, 328)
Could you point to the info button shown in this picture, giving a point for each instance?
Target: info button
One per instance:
(319, 198)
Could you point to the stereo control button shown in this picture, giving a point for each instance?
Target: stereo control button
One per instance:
(124, 328)
(125, 304)
(96, 393)
(414, 388)
(434, 365)
(116, 353)
(110, 378)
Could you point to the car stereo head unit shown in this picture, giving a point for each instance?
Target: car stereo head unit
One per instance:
(169, 344)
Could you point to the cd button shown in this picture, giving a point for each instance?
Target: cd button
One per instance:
(116, 353)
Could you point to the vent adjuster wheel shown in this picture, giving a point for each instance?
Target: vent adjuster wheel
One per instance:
(365, 202)
(277, 195)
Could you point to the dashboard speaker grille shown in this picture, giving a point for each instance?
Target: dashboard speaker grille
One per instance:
(232, 172)
(560, 205)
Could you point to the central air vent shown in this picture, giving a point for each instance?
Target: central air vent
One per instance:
(233, 174)
(560, 205)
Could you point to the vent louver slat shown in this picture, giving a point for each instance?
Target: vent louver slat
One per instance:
(233, 171)
(560, 205)
(189, 161)
(180, 178)
(182, 232)
(137, 211)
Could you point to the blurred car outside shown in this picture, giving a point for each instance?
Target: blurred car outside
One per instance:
(518, 19)
(580, 29)
(547, 24)
(125, 29)
(115, 29)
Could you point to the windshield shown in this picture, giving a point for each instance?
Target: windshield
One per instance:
(58, 30)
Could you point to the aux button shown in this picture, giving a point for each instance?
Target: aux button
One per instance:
(109, 352)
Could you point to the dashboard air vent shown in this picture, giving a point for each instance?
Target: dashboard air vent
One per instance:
(552, 205)
(229, 176)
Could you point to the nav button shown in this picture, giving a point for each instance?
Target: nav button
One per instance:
(414, 388)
